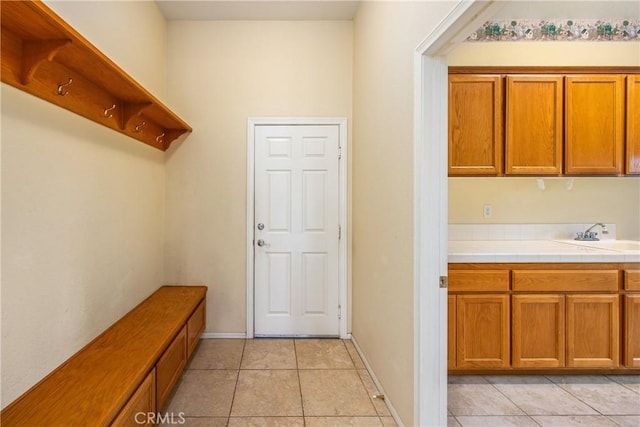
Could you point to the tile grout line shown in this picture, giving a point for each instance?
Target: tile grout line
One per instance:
(295, 354)
(627, 386)
(506, 397)
(235, 387)
(509, 399)
(362, 382)
(575, 397)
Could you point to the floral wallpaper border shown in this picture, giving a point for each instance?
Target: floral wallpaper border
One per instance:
(558, 30)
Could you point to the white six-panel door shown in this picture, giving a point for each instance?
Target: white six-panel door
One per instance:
(296, 230)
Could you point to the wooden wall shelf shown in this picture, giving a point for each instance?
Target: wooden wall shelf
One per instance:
(46, 57)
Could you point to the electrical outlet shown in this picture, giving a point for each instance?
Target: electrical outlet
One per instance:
(487, 211)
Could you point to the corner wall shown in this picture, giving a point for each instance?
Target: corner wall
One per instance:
(518, 200)
(82, 206)
(385, 37)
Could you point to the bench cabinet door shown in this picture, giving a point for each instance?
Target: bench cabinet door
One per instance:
(141, 407)
(195, 327)
(170, 366)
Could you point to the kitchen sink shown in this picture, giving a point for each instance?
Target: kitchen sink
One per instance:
(614, 245)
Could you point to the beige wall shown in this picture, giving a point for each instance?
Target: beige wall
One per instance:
(518, 200)
(82, 211)
(385, 37)
(546, 53)
(133, 34)
(220, 74)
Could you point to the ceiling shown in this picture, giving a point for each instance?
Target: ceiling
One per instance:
(297, 10)
(258, 10)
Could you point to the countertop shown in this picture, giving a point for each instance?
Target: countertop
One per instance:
(508, 251)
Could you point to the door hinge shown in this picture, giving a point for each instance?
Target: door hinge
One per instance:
(339, 153)
(444, 282)
(339, 311)
(339, 232)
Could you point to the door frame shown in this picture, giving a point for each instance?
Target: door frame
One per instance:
(343, 266)
(431, 205)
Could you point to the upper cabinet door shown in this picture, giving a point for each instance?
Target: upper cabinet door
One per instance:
(475, 125)
(534, 125)
(594, 126)
(633, 124)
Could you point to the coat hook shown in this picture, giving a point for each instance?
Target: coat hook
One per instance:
(61, 87)
(160, 137)
(107, 111)
(138, 128)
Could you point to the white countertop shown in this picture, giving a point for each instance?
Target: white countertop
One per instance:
(486, 251)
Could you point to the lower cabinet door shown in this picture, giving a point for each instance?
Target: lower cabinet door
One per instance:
(141, 407)
(538, 325)
(451, 332)
(170, 366)
(632, 330)
(482, 324)
(593, 331)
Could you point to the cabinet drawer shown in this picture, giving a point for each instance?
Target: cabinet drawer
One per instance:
(632, 280)
(478, 280)
(195, 327)
(142, 402)
(565, 280)
(170, 365)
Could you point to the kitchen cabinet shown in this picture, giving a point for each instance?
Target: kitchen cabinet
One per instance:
(475, 125)
(632, 330)
(478, 330)
(633, 125)
(538, 325)
(632, 319)
(553, 121)
(482, 331)
(593, 322)
(534, 124)
(451, 331)
(594, 124)
(544, 316)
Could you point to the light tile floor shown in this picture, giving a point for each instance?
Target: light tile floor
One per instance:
(572, 400)
(277, 382)
(321, 382)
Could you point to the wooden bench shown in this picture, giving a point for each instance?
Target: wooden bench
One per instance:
(124, 373)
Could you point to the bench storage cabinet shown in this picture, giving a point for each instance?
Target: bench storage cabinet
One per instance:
(123, 375)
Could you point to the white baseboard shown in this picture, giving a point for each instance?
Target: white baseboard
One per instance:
(213, 335)
(387, 400)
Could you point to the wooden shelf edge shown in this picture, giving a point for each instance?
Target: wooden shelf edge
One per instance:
(37, 56)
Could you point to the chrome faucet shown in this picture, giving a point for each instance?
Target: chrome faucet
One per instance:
(590, 235)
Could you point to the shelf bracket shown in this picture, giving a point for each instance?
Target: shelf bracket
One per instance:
(171, 135)
(131, 110)
(35, 52)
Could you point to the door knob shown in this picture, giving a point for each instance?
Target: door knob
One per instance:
(260, 226)
(261, 242)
